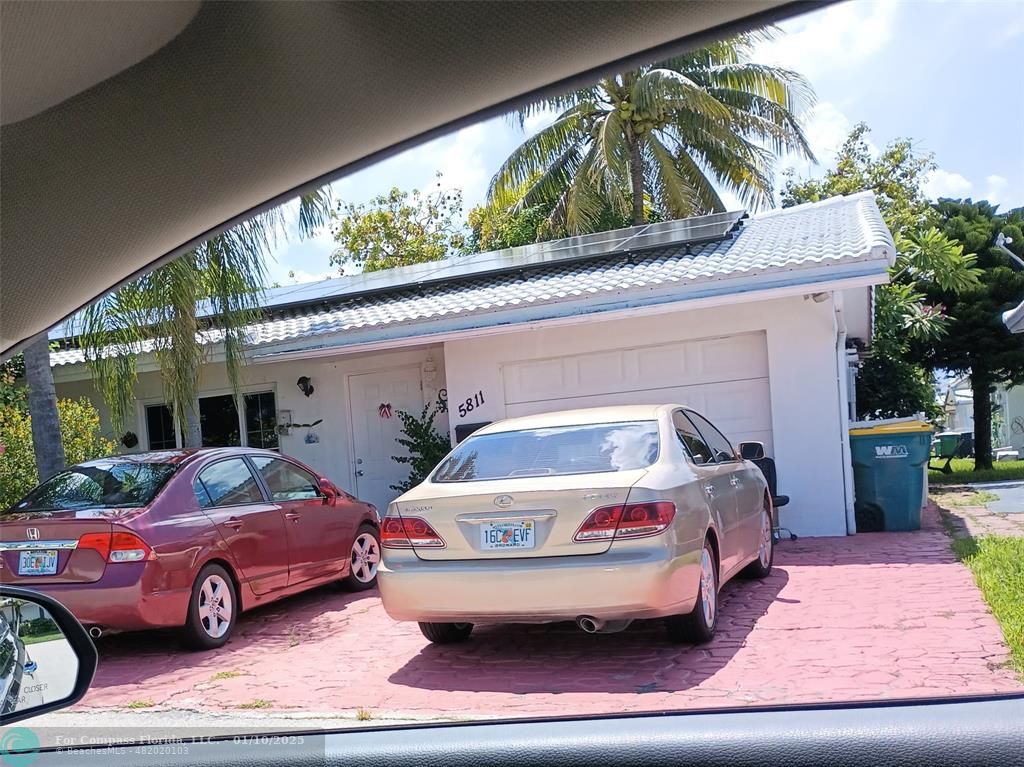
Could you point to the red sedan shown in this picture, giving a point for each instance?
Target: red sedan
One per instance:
(186, 538)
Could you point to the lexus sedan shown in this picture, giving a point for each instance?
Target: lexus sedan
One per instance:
(186, 538)
(600, 516)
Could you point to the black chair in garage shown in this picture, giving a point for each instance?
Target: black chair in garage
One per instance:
(754, 452)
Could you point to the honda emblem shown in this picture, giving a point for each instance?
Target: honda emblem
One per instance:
(32, 533)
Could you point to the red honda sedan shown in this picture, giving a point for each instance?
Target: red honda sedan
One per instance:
(186, 538)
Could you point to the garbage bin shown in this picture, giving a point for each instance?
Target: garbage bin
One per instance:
(890, 479)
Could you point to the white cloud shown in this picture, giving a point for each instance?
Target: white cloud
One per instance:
(461, 164)
(839, 36)
(996, 187)
(944, 183)
(542, 118)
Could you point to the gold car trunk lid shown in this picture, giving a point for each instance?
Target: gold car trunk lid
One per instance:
(512, 518)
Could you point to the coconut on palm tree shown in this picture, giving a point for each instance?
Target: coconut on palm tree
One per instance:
(672, 133)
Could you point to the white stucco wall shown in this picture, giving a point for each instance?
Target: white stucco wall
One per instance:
(330, 400)
(805, 398)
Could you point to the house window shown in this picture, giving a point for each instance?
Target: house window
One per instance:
(261, 420)
(160, 428)
(220, 422)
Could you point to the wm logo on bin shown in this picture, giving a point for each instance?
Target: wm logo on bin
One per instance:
(890, 451)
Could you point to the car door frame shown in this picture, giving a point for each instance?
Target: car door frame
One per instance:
(727, 486)
(749, 498)
(278, 579)
(293, 512)
(708, 476)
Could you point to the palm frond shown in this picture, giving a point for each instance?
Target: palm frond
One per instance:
(666, 89)
(314, 211)
(538, 152)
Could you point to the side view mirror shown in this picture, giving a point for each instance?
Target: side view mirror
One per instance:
(751, 451)
(47, 660)
(328, 490)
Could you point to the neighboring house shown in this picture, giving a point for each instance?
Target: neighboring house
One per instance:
(1014, 318)
(747, 319)
(1007, 412)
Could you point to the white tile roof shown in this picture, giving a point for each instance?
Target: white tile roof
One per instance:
(802, 245)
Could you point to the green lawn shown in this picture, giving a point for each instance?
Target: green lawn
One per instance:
(998, 566)
(42, 638)
(963, 472)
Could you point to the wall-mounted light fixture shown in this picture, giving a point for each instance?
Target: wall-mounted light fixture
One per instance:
(305, 385)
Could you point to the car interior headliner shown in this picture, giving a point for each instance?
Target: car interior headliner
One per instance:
(132, 131)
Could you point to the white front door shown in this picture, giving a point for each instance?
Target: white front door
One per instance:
(374, 433)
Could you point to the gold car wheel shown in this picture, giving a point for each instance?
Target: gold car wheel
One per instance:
(764, 551)
(708, 590)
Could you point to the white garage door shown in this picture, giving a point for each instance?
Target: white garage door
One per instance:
(725, 378)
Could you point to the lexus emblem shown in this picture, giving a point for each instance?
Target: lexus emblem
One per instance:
(32, 533)
(503, 501)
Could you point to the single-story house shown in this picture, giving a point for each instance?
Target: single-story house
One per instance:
(1008, 423)
(749, 319)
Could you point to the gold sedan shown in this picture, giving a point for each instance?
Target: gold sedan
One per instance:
(600, 516)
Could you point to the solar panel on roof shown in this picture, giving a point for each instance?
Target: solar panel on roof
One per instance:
(582, 247)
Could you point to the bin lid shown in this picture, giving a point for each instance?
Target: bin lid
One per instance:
(901, 426)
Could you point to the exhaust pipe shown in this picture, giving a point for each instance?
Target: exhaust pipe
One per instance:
(95, 632)
(593, 625)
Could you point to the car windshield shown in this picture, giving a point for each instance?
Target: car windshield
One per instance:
(98, 485)
(552, 451)
(497, 383)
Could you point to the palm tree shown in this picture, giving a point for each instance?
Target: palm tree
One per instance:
(157, 313)
(671, 131)
(47, 443)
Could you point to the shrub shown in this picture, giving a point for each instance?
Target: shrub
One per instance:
(426, 446)
(80, 430)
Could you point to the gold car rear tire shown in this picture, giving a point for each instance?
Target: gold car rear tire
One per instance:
(698, 626)
(446, 633)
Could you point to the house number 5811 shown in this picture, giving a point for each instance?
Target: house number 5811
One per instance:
(470, 404)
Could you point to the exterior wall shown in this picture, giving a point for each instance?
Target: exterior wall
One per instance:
(806, 404)
(1013, 423)
(330, 401)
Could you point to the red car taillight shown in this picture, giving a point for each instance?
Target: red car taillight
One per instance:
(634, 520)
(117, 547)
(409, 532)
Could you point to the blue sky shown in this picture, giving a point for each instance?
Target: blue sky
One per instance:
(946, 74)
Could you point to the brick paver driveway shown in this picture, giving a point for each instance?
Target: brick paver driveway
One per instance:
(885, 615)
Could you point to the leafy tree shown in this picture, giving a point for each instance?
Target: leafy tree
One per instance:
(158, 313)
(398, 229)
(507, 223)
(80, 437)
(426, 446)
(671, 131)
(891, 383)
(977, 342)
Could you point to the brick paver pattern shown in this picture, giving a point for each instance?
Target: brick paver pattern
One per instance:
(880, 615)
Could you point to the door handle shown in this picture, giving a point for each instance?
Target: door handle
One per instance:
(359, 472)
(709, 490)
(233, 522)
(734, 482)
(292, 515)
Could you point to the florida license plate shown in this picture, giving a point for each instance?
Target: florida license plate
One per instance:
(507, 535)
(37, 562)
